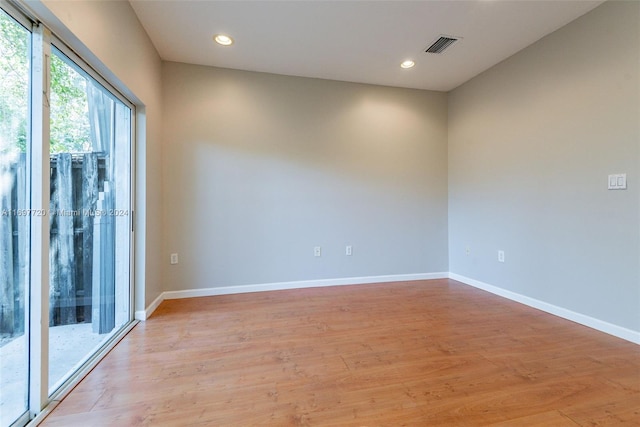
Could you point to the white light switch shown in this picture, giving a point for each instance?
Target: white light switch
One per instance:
(618, 181)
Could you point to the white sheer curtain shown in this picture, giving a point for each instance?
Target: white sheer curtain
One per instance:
(100, 118)
(101, 121)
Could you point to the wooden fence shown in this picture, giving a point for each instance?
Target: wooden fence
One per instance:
(77, 180)
(13, 247)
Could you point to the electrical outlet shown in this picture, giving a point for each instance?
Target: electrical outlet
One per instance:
(317, 251)
(348, 250)
(174, 259)
(500, 256)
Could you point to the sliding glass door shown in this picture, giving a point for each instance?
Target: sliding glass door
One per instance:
(15, 54)
(89, 222)
(65, 215)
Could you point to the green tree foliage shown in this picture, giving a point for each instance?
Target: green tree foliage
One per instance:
(70, 130)
(14, 85)
(69, 109)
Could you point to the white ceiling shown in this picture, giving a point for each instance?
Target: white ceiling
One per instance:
(357, 41)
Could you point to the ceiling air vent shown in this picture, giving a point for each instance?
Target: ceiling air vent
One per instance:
(441, 44)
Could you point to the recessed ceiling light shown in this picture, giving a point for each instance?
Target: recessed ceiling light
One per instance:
(407, 64)
(222, 39)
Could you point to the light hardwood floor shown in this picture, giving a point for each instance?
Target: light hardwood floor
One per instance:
(431, 353)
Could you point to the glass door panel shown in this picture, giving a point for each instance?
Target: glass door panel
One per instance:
(90, 142)
(15, 53)
(89, 216)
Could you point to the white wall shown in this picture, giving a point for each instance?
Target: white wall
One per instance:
(109, 36)
(261, 168)
(531, 142)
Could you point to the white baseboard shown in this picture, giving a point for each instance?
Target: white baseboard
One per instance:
(600, 325)
(144, 314)
(226, 290)
(240, 289)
